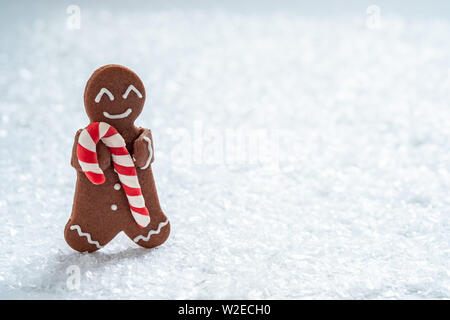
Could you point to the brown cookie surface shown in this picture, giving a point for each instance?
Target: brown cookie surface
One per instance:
(115, 95)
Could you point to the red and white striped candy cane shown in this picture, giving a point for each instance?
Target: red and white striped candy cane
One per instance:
(123, 165)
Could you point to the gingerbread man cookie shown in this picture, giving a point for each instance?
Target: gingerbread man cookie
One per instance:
(115, 189)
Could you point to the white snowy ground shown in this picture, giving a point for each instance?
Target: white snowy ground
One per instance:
(355, 123)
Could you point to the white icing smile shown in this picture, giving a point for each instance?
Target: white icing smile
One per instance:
(117, 116)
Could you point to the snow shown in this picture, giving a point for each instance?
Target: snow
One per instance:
(342, 190)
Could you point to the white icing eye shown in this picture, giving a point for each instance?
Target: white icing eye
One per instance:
(131, 88)
(103, 91)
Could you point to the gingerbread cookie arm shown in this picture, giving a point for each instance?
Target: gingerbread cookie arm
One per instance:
(143, 154)
(103, 155)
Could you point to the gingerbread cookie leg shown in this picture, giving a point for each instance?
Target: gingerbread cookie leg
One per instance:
(153, 235)
(81, 240)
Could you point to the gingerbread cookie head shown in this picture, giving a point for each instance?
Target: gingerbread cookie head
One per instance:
(114, 94)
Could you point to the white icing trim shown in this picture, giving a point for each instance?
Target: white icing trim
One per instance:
(150, 150)
(151, 232)
(117, 116)
(87, 235)
(131, 87)
(100, 94)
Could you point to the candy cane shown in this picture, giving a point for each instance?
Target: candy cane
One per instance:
(123, 165)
